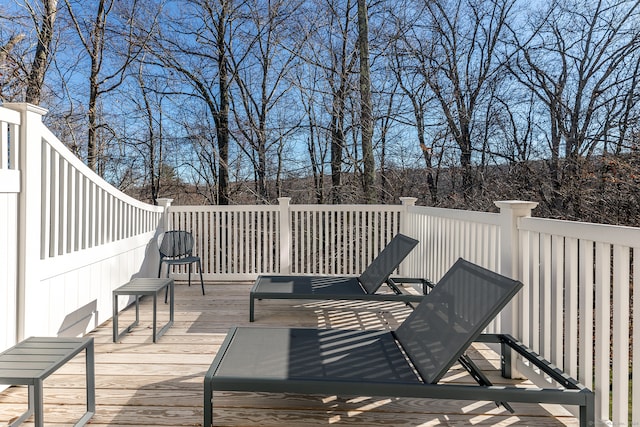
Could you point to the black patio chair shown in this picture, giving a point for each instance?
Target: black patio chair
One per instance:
(176, 248)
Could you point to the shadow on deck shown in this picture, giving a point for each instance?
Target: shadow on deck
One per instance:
(139, 383)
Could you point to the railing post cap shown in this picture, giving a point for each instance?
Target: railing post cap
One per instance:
(515, 204)
(164, 202)
(284, 200)
(409, 201)
(24, 107)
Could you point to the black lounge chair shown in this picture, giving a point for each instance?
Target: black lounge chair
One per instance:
(406, 363)
(364, 287)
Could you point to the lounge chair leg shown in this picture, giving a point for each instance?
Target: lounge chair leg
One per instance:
(480, 378)
(208, 403)
(588, 412)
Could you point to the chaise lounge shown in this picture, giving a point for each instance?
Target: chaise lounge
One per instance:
(364, 287)
(408, 362)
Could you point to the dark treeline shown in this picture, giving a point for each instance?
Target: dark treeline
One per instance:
(456, 102)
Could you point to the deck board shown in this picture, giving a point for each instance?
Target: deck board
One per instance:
(139, 383)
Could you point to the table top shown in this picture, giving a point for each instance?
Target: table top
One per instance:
(38, 357)
(142, 286)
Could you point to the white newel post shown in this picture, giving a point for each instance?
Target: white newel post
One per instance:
(164, 222)
(510, 212)
(406, 202)
(285, 235)
(30, 212)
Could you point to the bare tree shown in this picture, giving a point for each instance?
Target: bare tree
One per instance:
(153, 141)
(44, 22)
(9, 67)
(580, 60)
(342, 63)
(262, 83)
(95, 38)
(415, 88)
(331, 58)
(459, 62)
(196, 44)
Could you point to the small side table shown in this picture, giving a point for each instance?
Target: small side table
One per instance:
(140, 287)
(31, 361)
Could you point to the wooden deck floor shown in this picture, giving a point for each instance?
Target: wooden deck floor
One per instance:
(139, 383)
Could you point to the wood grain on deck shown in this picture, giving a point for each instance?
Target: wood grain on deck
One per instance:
(139, 383)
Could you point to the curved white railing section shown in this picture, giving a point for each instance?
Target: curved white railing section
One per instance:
(78, 237)
(80, 210)
(9, 199)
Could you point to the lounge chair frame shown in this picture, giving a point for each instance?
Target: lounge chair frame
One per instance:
(407, 362)
(364, 287)
(574, 393)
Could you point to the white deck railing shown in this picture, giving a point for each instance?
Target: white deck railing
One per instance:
(67, 239)
(577, 307)
(9, 200)
(71, 237)
(241, 242)
(574, 309)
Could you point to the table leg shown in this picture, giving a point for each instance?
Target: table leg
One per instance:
(116, 331)
(90, 383)
(169, 290)
(155, 307)
(115, 317)
(91, 378)
(171, 305)
(38, 404)
(137, 309)
(251, 307)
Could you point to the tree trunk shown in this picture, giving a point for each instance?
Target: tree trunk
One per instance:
(97, 50)
(223, 114)
(41, 59)
(366, 110)
(337, 142)
(427, 153)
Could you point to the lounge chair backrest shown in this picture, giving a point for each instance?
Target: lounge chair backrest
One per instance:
(452, 316)
(386, 262)
(176, 244)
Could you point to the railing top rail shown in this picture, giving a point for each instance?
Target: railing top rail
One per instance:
(222, 208)
(614, 234)
(9, 116)
(271, 208)
(348, 208)
(75, 162)
(461, 215)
